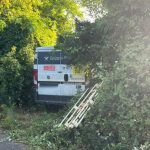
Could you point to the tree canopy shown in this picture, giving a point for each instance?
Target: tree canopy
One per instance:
(24, 25)
(24, 21)
(120, 119)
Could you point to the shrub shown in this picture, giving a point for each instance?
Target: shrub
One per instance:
(16, 77)
(10, 79)
(25, 57)
(120, 120)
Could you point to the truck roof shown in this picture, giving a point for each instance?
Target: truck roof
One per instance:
(45, 48)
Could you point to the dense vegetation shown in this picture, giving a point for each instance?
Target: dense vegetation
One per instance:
(24, 25)
(117, 47)
(121, 118)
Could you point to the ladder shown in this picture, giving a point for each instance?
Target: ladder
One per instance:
(81, 107)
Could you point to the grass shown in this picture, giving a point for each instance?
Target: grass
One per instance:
(35, 127)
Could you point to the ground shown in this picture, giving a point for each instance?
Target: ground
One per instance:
(7, 144)
(33, 127)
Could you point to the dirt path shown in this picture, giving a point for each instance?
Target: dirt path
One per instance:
(7, 144)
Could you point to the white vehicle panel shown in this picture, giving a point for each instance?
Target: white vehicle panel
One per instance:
(47, 75)
(70, 89)
(58, 74)
(61, 90)
(49, 90)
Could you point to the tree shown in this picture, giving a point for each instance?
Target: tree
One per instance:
(120, 119)
(10, 79)
(25, 24)
(36, 21)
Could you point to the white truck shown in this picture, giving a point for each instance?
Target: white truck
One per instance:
(55, 81)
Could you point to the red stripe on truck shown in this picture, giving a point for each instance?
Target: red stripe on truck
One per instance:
(49, 68)
(35, 74)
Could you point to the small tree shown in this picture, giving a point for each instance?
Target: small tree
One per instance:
(10, 79)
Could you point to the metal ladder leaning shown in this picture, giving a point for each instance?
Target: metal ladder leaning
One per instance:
(81, 107)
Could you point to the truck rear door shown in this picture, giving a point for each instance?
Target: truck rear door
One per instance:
(49, 71)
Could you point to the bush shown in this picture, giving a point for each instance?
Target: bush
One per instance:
(120, 119)
(10, 79)
(25, 57)
(16, 77)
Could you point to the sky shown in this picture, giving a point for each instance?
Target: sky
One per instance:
(86, 15)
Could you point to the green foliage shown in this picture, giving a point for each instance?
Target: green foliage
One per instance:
(10, 79)
(12, 33)
(37, 129)
(117, 45)
(94, 43)
(120, 119)
(2, 25)
(26, 57)
(16, 77)
(7, 117)
(42, 21)
(25, 24)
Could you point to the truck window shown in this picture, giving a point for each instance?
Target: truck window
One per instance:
(53, 57)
